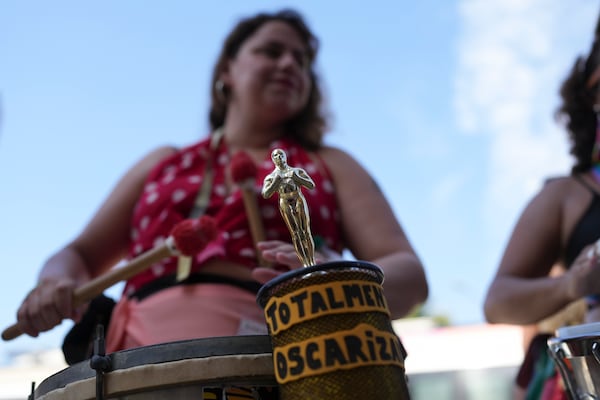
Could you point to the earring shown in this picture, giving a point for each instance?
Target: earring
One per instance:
(220, 90)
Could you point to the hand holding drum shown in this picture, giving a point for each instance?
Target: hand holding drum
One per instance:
(187, 238)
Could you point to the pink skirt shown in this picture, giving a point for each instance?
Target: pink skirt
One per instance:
(184, 312)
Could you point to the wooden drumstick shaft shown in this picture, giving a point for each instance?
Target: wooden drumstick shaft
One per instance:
(256, 227)
(96, 286)
(244, 172)
(188, 237)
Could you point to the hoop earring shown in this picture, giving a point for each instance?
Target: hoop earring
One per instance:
(220, 90)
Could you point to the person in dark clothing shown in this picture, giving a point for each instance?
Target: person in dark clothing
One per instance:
(561, 224)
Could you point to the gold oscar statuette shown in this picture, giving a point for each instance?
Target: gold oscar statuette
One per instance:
(288, 181)
(325, 320)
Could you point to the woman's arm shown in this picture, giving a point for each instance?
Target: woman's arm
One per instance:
(523, 292)
(373, 233)
(101, 244)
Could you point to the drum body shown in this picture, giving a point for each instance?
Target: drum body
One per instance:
(178, 370)
(576, 352)
(332, 335)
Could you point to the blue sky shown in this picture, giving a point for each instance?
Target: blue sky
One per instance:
(447, 103)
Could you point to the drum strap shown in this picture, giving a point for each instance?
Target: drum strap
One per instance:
(184, 263)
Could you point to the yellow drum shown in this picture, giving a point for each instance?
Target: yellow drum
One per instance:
(198, 369)
(332, 335)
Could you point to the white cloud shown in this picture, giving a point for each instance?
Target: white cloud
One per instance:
(445, 191)
(513, 56)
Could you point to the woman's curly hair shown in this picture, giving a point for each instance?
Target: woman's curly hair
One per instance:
(577, 108)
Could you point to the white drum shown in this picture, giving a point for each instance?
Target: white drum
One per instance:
(179, 370)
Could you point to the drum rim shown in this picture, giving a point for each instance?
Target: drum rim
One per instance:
(591, 329)
(264, 292)
(161, 353)
(574, 346)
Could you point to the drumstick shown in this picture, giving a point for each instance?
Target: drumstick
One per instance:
(243, 172)
(188, 237)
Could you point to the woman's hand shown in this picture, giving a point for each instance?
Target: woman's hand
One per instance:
(283, 253)
(47, 305)
(280, 253)
(583, 278)
(284, 256)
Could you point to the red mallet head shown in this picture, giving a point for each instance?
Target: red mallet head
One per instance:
(242, 167)
(192, 235)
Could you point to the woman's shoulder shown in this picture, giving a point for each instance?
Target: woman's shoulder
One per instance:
(162, 152)
(154, 157)
(167, 153)
(335, 155)
(155, 161)
(157, 156)
(565, 183)
(558, 189)
(338, 161)
(558, 179)
(344, 168)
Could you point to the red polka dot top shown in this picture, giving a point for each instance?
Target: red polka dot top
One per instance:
(170, 192)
